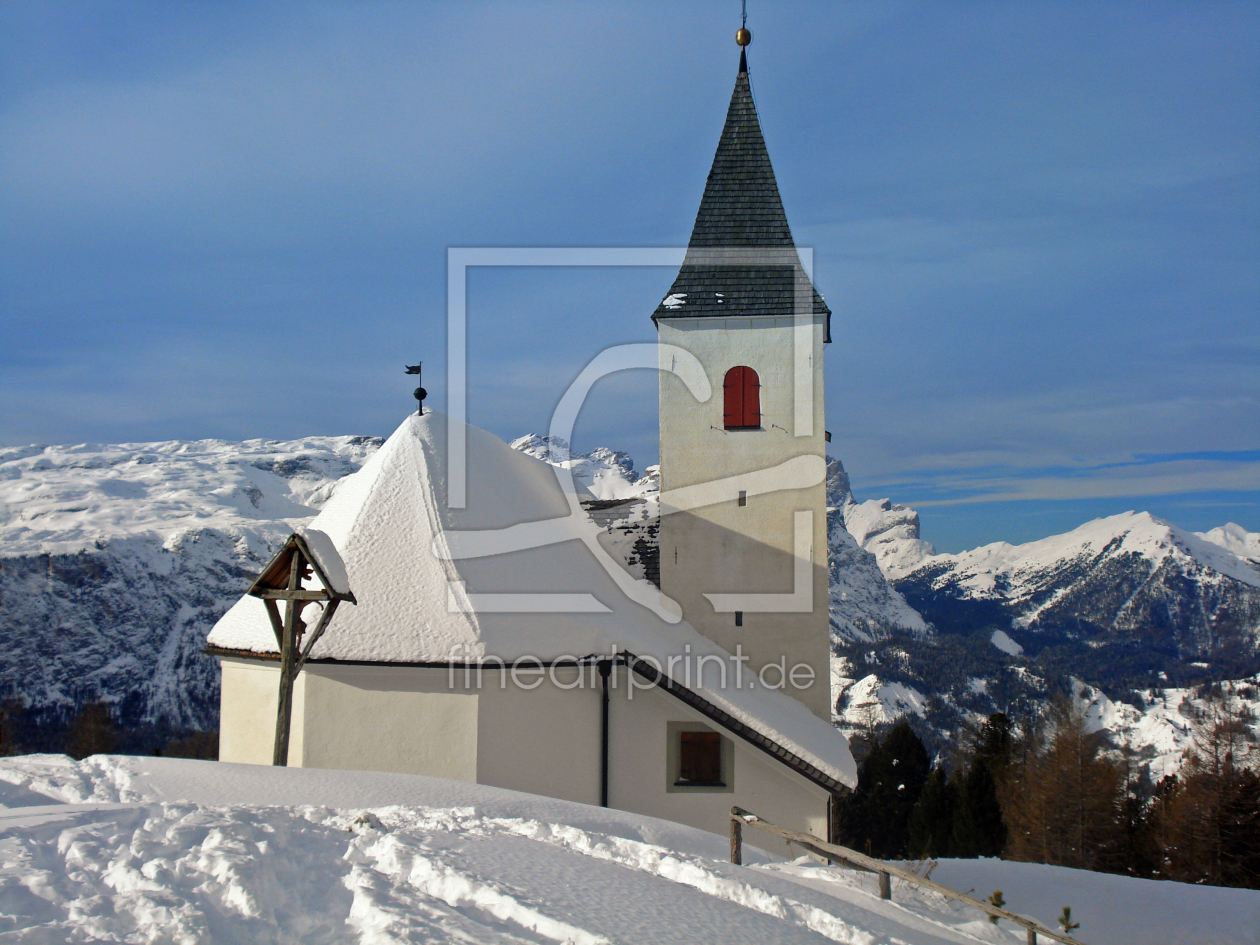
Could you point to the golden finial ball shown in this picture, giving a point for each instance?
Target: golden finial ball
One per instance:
(743, 36)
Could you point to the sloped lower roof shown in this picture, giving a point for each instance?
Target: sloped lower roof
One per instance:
(741, 208)
(396, 539)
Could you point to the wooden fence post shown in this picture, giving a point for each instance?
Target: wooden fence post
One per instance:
(884, 872)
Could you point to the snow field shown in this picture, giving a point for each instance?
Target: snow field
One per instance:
(64, 499)
(861, 703)
(115, 849)
(1114, 908)
(1235, 538)
(603, 473)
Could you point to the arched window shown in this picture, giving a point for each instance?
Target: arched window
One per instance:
(741, 398)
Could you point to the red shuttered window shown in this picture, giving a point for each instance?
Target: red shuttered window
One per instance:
(742, 399)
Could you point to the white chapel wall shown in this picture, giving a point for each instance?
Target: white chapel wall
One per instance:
(379, 717)
(544, 740)
(640, 780)
(547, 741)
(368, 718)
(249, 695)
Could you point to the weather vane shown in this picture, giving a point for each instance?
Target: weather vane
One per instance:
(742, 35)
(419, 393)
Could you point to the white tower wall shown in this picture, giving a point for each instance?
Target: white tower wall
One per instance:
(726, 548)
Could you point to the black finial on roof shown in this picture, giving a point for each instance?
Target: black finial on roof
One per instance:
(743, 63)
(419, 393)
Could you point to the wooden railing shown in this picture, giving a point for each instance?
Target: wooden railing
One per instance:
(741, 818)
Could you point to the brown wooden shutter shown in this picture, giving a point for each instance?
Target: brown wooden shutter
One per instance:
(752, 398)
(733, 399)
(741, 398)
(700, 757)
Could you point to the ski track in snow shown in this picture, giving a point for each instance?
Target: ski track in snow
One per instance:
(184, 873)
(163, 850)
(113, 863)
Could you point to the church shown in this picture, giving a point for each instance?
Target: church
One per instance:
(502, 643)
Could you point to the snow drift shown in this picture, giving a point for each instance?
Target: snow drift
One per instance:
(151, 850)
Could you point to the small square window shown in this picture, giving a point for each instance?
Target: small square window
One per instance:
(743, 497)
(739, 618)
(700, 759)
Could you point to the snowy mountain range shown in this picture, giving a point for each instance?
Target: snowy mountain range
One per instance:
(1129, 579)
(1146, 612)
(116, 560)
(606, 475)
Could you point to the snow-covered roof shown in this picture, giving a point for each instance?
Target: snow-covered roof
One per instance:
(423, 598)
(325, 556)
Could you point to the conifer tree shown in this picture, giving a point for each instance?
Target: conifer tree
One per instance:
(1207, 819)
(931, 830)
(1066, 808)
(10, 713)
(994, 743)
(875, 818)
(979, 829)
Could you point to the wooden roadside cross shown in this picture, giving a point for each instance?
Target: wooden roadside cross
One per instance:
(283, 580)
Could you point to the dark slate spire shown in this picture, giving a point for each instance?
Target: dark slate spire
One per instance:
(741, 208)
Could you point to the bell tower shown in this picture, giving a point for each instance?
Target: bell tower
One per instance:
(743, 537)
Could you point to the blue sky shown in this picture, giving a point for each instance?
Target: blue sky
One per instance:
(1038, 226)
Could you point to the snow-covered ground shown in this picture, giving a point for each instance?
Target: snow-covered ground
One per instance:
(869, 702)
(1113, 908)
(129, 849)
